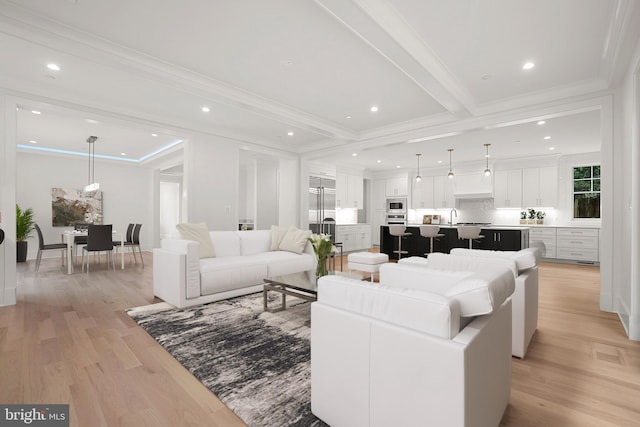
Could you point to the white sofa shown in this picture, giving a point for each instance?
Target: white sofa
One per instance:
(522, 263)
(242, 260)
(395, 354)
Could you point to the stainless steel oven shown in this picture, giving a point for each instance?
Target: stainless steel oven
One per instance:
(396, 219)
(397, 206)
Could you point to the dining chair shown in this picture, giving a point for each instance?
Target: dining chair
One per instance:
(46, 247)
(133, 241)
(79, 240)
(99, 239)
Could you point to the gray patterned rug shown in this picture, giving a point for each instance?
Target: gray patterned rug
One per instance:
(257, 363)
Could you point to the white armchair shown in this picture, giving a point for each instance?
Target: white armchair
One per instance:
(384, 355)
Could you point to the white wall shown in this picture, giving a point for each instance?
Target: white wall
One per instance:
(211, 175)
(127, 193)
(626, 251)
(266, 194)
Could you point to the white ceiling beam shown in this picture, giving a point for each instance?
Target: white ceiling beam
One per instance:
(379, 25)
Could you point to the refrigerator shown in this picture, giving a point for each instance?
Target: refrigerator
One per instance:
(322, 205)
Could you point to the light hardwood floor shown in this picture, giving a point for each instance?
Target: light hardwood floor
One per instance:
(68, 340)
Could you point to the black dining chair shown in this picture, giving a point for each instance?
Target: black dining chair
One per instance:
(133, 241)
(99, 239)
(46, 247)
(79, 240)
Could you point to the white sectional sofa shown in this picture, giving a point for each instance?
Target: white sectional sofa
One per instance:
(419, 348)
(523, 265)
(242, 260)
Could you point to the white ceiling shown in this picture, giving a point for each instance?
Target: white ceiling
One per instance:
(268, 68)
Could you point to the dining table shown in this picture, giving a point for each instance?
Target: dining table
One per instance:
(68, 238)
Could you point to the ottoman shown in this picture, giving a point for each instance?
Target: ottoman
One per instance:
(367, 261)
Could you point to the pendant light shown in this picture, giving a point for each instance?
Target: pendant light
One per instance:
(487, 171)
(418, 177)
(93, 185)
(450, 174)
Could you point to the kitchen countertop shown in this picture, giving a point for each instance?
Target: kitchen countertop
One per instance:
(513, 226)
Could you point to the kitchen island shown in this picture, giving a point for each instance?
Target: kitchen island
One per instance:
(509, 238)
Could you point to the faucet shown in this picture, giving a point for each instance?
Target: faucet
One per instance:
(453, 211)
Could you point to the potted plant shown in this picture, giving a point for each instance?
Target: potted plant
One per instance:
(532, 216)
(24, 229)
(523, 217)
(540, 217)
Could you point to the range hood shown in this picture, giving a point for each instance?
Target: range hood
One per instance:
(473, 186)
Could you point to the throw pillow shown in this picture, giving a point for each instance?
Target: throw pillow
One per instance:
(295, 240)
(277, 233)
(200, 234)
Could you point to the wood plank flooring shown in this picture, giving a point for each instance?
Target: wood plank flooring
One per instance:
(68, 340)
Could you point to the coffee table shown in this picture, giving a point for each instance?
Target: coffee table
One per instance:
(301, 285)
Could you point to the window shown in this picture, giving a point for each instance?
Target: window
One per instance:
(586, 192)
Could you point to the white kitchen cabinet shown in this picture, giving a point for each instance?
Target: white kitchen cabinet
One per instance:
(508, 189)
(540, 187)
(379, 219)
(545, 239)
(422, 194)
(443, 192)
(397, 186)
(354, 237)
(349, 191)
(379, 194)
(578, 244)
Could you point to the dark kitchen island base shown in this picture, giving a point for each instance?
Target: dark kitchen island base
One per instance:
(503, 239)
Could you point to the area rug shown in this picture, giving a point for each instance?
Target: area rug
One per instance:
(257, 363)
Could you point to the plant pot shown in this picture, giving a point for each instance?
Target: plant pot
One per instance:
(523, 221)
(539, 221)
(531, 221)
(21, 251)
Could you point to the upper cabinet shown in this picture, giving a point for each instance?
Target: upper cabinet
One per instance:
(349, 191)
(379, 194)
(422, 193)
(398, 186)
(540, 187)
(443, 192)
(508, 189)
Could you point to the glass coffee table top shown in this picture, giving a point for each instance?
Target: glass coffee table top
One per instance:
(300, 285)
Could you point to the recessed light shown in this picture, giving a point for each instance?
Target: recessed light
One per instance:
(378, 161)
(35, 112)
(205, 109)
(54, 67)
(528, 65)
(290, 133)
(552, 148)
(547, 137)
(439, 161)
(374, 109)
(123, 154)
(354, 154)
(92, 121)
(347, 117)
(33, 141)
(154, 134)
(398, 167)
(541, 122)
(486, 77)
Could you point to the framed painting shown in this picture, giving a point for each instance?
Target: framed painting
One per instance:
(71, 206)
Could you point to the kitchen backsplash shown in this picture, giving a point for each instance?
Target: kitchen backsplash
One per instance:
(479, 210)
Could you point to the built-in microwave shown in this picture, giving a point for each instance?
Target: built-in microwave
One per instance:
(397, 206)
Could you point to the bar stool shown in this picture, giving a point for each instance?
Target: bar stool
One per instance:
(471, 232)
(430, 232)
(399, 231)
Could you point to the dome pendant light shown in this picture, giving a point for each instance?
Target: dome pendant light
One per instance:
(450, 174)
(487, 171)
(418, 177)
